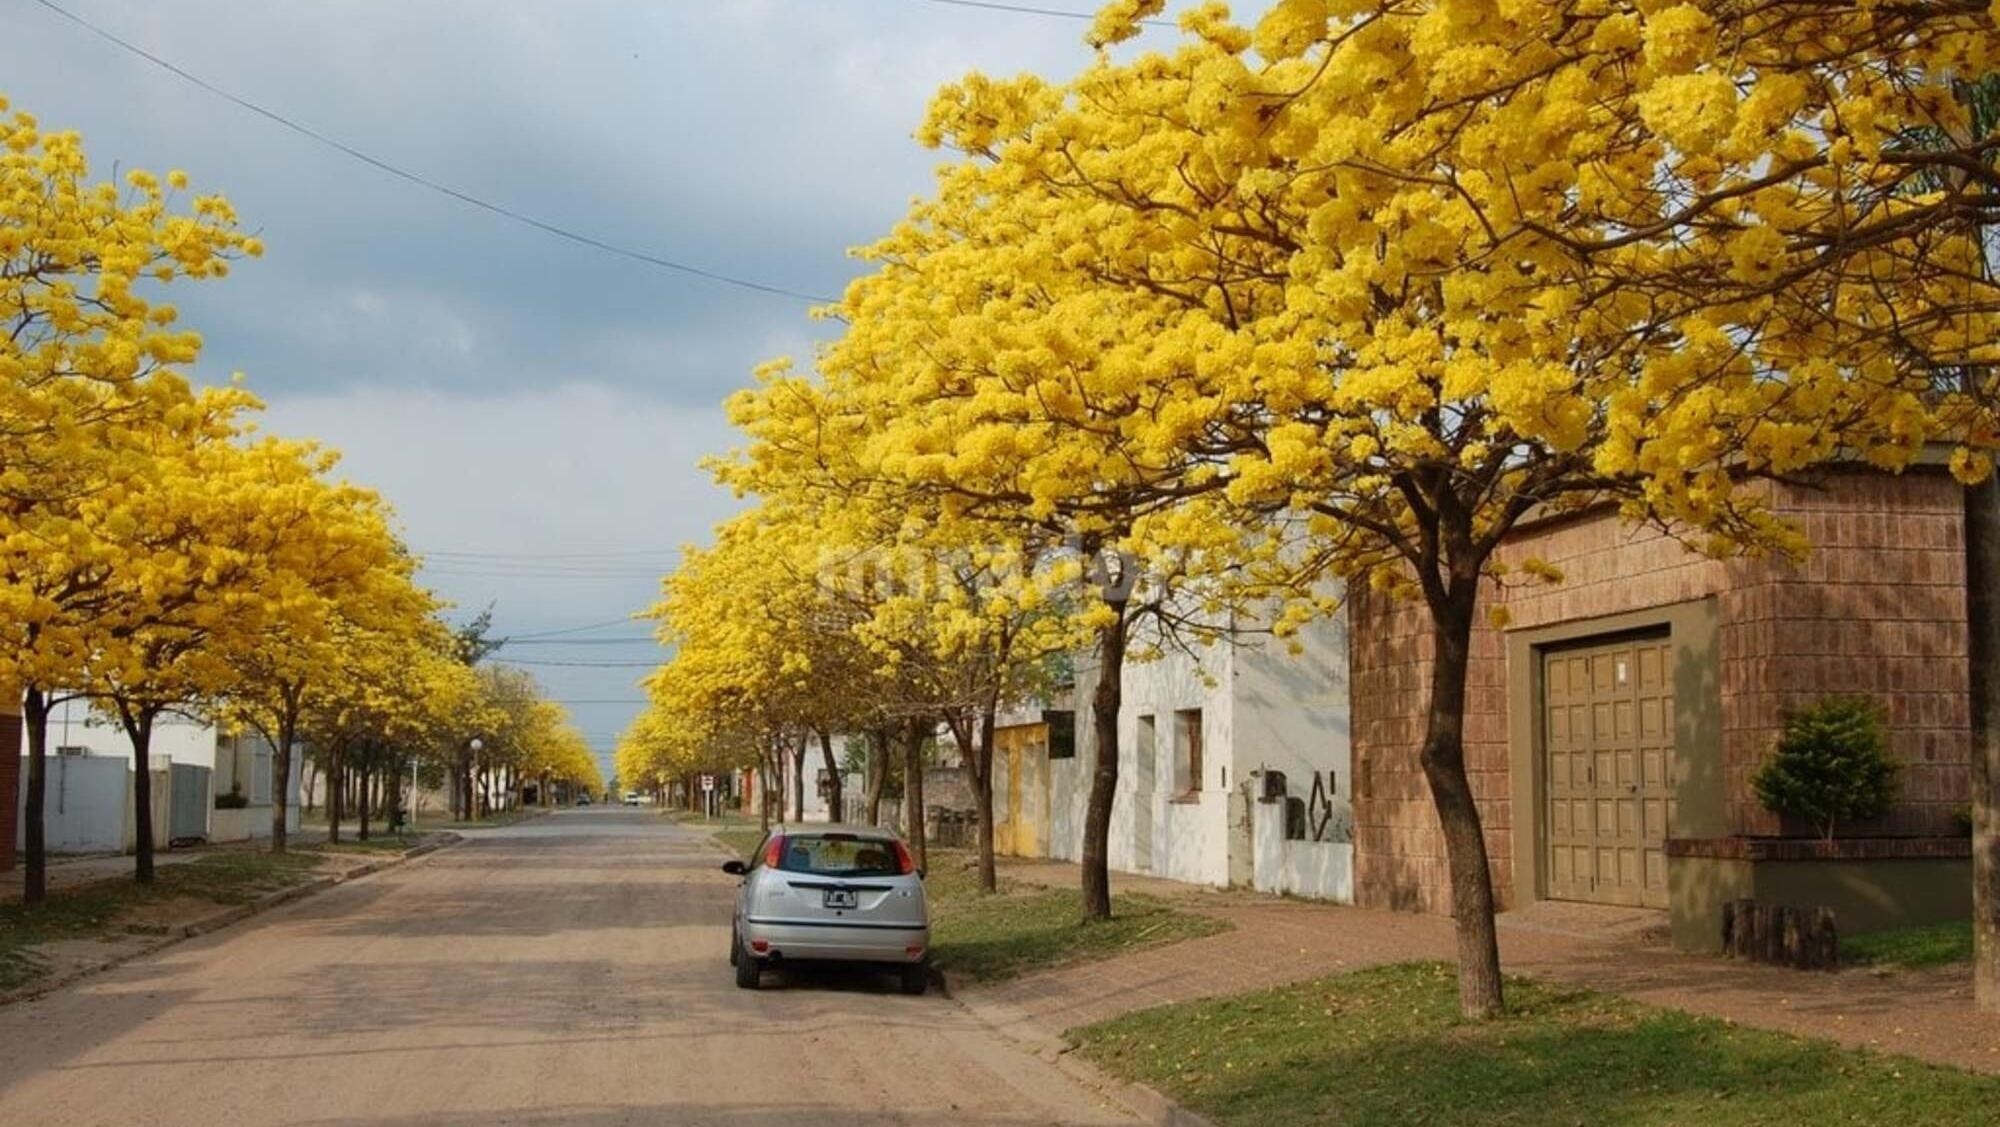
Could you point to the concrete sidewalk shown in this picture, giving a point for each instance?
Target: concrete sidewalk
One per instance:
(1276, 941)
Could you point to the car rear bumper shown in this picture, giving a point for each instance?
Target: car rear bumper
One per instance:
(784, 939)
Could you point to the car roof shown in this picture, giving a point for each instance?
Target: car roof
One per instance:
(821, 829)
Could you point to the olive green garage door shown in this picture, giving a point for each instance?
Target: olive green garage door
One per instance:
(1608, 730)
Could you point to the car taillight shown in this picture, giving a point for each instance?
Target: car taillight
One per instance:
(773, 849)
(905, 864)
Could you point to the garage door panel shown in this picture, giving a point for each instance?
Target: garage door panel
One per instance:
(1608, 764)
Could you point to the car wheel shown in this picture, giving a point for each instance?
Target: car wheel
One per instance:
(735, 948)
(748, 973)
(916, 978)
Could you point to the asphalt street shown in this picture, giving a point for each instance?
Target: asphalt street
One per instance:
(570, 970)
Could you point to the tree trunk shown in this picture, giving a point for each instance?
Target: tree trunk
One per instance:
(281, 774)
(799, 781)
(139, 729)
(877, 778)
(982, 795)
(1104, 705)
(1982, 607)
(35, 730)
(392, 793)
(836, 797)
(763, 783)
(913, 791)
(366, 791)
(1443, 759)
(336, 793)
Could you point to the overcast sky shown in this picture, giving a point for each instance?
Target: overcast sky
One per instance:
(533, 408)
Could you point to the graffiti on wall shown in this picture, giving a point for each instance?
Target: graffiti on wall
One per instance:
(1321, 816)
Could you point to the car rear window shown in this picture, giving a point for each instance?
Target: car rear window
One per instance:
(839, 855)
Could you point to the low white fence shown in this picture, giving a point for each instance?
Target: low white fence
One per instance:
(87, 805)
(1317, 870)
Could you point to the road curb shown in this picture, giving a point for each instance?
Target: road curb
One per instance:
(225, 918)
(1015, 1026)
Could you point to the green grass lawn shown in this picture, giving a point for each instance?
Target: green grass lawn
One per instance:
(1386, 1046)
(739, 840)
(1914, 948)
(988, 937)
(95, 910)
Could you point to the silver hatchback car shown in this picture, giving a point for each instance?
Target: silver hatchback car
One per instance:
(830, 892)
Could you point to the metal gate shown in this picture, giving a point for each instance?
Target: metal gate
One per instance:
(189, 818)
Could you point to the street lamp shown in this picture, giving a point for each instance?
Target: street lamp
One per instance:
(473, 747)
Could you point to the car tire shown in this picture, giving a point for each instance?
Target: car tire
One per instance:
(748, 973)
(735, 949)
(916, 978)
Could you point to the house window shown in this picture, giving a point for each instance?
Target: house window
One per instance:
(1148, 764)
(1187, 751)
(1062, 732)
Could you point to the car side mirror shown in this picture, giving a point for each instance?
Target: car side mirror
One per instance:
(922, 873)
(735, 868)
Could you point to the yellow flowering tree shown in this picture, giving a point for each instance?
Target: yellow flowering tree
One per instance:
(335, 571)
(89, 379)
(1346, 295)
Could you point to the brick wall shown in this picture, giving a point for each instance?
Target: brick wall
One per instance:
(10, 775)
(1878, 608)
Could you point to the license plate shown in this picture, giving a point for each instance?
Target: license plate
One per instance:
(840, 898)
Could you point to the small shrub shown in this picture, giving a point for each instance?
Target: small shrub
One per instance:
(1831, 765)
(234, 800)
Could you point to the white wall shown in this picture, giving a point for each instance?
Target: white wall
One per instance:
(1292, 714)
(1319, 870)
(87, 804)
(246, 761)
(1263, 707)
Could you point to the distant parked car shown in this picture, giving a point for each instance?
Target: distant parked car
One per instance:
(583, 800)
(836, 893)
(631, 798)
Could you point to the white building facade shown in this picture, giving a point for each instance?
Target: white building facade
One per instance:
(1233, 768)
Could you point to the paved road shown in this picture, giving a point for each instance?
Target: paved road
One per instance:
(568, 971)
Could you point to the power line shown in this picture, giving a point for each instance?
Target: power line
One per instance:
(632, 641)
(425, 182)
(548, 557)
(584, 629)
(581, 664)
(1030, 10)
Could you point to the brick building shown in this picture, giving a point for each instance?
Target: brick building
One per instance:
(1613, 725)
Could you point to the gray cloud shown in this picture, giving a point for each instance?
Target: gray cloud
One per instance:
(510, 392)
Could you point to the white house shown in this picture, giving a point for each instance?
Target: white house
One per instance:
(75, 729)
(88, 804)
(1233, 768)
(243, 773)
